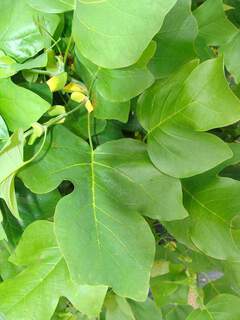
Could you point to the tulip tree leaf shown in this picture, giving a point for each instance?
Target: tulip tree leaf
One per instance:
(216, 30)
(103, 108)
(52, 6)
(20, 36)
(8, 66)
(104, 31)
(224, 306)
(112, 89)
(175, 41)
(214, 27)
(20, 107)
(175, 112)
(102, 210)
(122, 309)
(213, 207)
(33, 206)
(34, 293)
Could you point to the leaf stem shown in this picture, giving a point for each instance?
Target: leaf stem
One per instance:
(45, 72)
(89, 131)
(67, 50)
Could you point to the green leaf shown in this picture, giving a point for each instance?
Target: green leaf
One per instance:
(213, 205)
(11, 160)
(175, 41)
(7, 269)
(222, 307)
(145, 310)
(124, 84)
(20, 107)
(175, 112)
(2, 232)
(3, 133)
(52, 6)
(105, 109)
(3, 130)
(78, 123)
(214, 27)
(118, 308)
(178, 312)
(8, 66)
(20, 36)
(216, 30)
(230, 51)
(103, 208)
(34, 293)
(105, 31)
(11, 225)
(33, 206)
(170, 288)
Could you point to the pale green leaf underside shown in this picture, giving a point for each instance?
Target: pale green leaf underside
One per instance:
(11, 160)
(105, 30)
(102, 210)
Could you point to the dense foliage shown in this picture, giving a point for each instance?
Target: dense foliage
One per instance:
(119, 160)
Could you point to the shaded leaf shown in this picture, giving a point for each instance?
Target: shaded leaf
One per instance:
(175, 41)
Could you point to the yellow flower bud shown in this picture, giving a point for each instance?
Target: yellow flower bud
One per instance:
(78, 97)
(57, 82)
(75, 87)
(89, 106)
